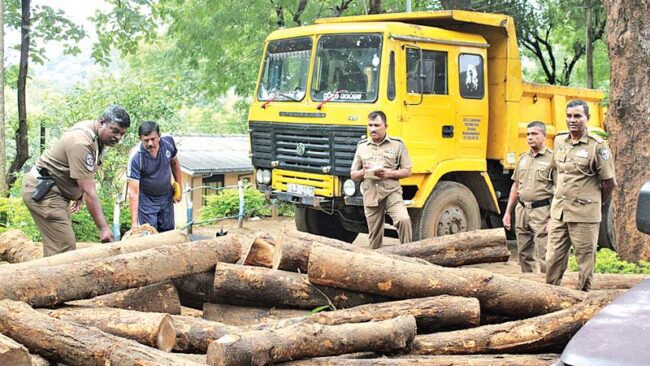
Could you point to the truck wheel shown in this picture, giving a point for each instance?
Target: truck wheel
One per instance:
(606, 238)
(317, 222)
(450, 209)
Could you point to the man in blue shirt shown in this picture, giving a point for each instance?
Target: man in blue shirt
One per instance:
(152, 163)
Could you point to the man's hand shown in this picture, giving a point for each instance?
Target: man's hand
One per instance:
(506, 221)
(106, 235)
(384, 173)
(77, 205)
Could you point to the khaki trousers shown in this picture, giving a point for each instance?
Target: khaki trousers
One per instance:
(583, 237)
(52, 217)
(393, 205)
(532, 236)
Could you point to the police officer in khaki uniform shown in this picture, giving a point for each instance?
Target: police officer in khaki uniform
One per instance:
(65, 174)
(585, 179)
(380, 162)
(531, 193)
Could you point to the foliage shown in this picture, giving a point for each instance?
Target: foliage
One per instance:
(607, 261)
(15, 215)
(226, 203)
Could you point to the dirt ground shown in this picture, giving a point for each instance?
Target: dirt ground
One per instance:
(251, 228)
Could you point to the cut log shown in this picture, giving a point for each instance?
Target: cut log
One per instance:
(48, 286)
(271, 288)
(472, 247)
(375, 273)
(432, 314)
(293, 248)
(76, 344)
(550, 332)
(13, 353)
(310, 340)
(247, 315)
(159, 297)
(16, 247)
(465, 360)
(40, 361)
(602, 281)
(103, 250)
(261, 251)
(196, 334)
(152, 329)
(197, 289)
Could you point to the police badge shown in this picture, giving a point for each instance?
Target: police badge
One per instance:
(90, 161)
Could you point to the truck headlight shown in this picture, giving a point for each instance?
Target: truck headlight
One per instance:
(266, 176)
(258, 175)
(349, 188)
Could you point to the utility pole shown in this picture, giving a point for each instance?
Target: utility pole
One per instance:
(408, 6)
(3, 156)
(589, 49)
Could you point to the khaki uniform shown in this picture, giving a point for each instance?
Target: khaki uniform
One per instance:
(535, 191)
(76, 155)
(576, 207)
(384, 196)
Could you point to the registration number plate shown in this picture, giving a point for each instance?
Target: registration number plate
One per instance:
(299, 189)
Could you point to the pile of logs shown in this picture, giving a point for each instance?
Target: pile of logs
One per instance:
(297, 298)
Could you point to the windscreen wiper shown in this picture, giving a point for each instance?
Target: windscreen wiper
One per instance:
(333, 94)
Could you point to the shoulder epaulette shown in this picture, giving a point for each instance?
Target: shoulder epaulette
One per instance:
(562, 133)
(596, 137)
(362, 141)
(397, 139)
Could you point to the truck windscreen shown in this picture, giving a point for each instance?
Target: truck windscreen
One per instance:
(286, 63)
(346, 68)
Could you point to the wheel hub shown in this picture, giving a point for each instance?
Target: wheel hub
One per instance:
(452, 220)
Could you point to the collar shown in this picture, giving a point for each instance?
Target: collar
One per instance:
(539, 153)
(584, 139)
(386, 139)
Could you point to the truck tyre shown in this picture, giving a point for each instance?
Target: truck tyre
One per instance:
(606, 238)
(317, 222)
(451, 208)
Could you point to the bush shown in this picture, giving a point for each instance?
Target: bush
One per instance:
(607, 261)
(226, 203)
(15, 215)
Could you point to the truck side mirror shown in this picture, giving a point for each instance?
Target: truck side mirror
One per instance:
(643, 209)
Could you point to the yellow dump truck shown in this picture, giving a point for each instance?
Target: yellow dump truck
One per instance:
(450, 83)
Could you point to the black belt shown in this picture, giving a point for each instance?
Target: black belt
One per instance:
(535, 204)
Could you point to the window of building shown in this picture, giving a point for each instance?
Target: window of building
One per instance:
(214, 181)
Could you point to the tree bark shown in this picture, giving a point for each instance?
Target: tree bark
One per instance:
(151, 329)
(267, 287)
(16, 247)
(479, 246)
(3, 146)
(374, 7)
(13, 353)
(628, 119)
(52, 338)
(159, 297)
(40, 361)
(103, 251)
(602, 281)
(550, 332)
(196, 334)
(261, 251)
(48, 286)
(464, 360)
(194, 290)
(375, 273)
(243, 316)
(432, 314)
(311, 340)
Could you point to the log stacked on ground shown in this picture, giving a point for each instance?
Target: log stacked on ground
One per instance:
(159, 297)
(464, 360)
(196, 334)
(48, 286)
(13, 353)
(260, 253)
(76, 344)
(310, 340)
(247, 315)
(16, 247)
(601, 281)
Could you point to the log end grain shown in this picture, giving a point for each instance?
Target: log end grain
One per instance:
(222, 352)
(166, 338)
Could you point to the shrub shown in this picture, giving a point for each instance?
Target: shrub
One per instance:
(226, 203)
(15, 215)
(607, 261)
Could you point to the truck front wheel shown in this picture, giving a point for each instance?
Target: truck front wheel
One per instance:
(317, 222)
(450, 209)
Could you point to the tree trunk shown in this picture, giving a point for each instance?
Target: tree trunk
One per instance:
(464, 360)
(589, 44)
(103, 250)
(48, 286)
(534, 335)
(13, 353)
(374, 7)
(432, 314)
(21, 137)
(270, 288)
(159, 297)
(310, 340)
(602, 281)
(3, 147)
(16, 247)
(151, 329)
(196, 334)
(52, 338)
(243, 316)
(628, 120)
(260, 253)
(375, 273)
(456, 4)
(479, 246)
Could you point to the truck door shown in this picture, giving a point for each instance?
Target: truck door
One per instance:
(429, 110)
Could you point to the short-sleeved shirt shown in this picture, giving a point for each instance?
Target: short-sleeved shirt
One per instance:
(581, 167)
(534, 177)
(390, 153)
(153, 174)
(76, 155)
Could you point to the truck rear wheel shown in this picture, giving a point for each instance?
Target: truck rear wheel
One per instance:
(317, 222)
(450, 209)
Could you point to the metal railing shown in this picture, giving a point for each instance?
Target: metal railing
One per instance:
(190, 209)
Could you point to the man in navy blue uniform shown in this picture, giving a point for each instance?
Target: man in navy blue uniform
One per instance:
(152, 163)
